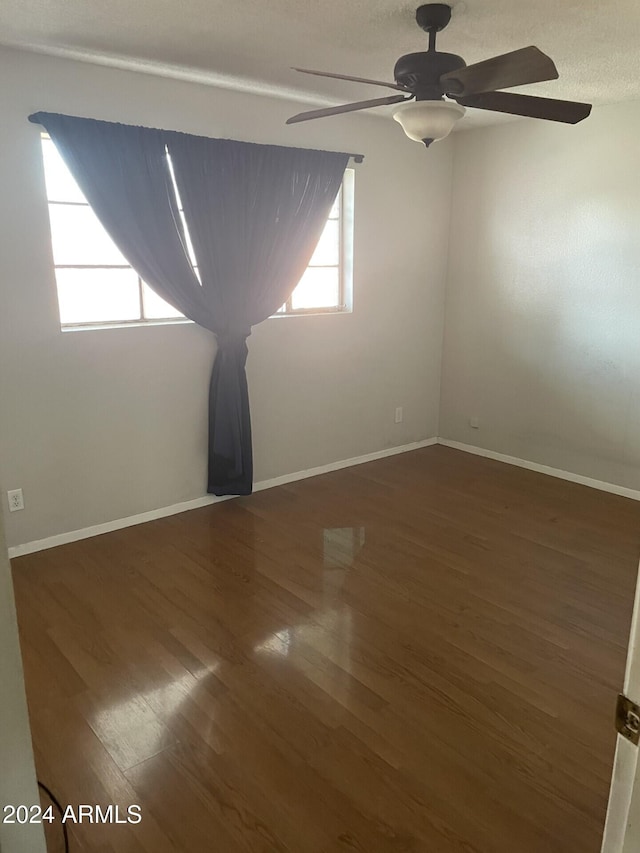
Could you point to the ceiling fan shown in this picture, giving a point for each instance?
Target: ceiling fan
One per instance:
(429, 76)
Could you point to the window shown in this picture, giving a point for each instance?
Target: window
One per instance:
(97, 287)
(326, 283)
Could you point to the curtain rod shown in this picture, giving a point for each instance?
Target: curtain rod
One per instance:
(357, 158)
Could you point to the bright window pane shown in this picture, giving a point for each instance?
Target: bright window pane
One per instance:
(318, 288)
(335, 210)
(327, 251)
(97, 296)
(61, 186)
(78, 238)
(155, 307)
(190, 250)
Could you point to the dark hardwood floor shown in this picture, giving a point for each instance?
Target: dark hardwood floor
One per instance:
(417, 655)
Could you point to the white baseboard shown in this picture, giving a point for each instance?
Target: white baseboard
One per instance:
(544, 469)
(206, 500)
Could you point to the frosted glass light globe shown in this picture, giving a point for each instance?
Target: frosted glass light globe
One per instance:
(428, 121)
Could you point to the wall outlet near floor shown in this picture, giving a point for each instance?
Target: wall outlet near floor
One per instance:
(16, 500)
(474, 422)
(399, 415)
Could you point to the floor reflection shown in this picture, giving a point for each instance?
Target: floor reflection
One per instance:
(277, 644)
(341, 546)
(138, 727)
(321, 645)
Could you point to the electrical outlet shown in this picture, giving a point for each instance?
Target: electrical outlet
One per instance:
(16, 500)
(399, 415)
(474, 423)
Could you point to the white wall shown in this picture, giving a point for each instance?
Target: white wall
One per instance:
(542, 337)
(17, 773)
(100, 425)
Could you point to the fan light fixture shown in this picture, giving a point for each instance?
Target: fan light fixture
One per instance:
(428, 121)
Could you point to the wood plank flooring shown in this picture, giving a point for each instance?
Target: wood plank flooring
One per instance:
(416, 655)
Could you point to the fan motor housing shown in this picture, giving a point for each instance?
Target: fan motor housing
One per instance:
(433, 16)
(421, 72)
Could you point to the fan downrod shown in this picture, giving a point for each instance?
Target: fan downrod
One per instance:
(433, 17)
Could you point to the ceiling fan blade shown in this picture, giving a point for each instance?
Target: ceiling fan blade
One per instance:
(528, 65)
(570, 112)
(354, 79)
(346, 108)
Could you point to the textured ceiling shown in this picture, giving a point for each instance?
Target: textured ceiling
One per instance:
(249, 44)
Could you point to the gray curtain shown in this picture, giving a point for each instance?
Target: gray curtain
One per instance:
(254, 214)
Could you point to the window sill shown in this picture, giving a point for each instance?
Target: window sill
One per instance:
(181, 321)
(312, 312)
(134, 324)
